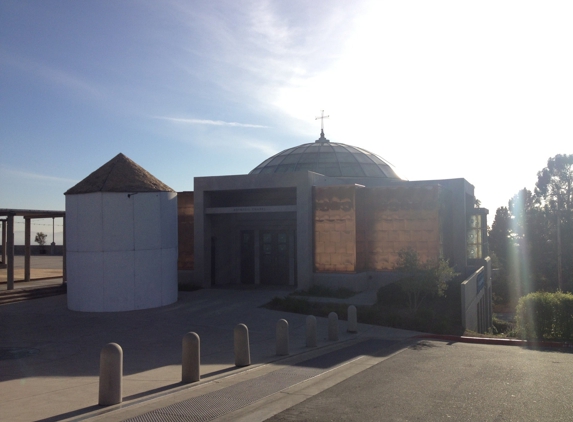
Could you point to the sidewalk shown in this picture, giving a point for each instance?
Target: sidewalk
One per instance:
(57, 374)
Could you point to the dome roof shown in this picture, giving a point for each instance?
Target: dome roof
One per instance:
(328, 158)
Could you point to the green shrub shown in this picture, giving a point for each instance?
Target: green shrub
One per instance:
(323, 291)
(435, 317)
(379, 316)
(500, 326)
(422, 280)
(291, 304)
(543, 315)
(392, 295)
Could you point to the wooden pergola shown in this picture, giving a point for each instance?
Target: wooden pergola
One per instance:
(8, 239)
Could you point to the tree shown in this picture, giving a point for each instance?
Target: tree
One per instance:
(40, 238)
(533, 236)
(499, 234)
(521, 206)
(500, 245)
(422, 279)
(554, 186)
(554, 190)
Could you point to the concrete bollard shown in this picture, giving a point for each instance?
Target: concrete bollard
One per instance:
(311, 331)
(191, 358)
(110, 375)
(352, 319)
(333, 326)
(242, 350)
(282, 337)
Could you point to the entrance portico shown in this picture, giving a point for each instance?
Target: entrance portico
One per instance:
(254, 230)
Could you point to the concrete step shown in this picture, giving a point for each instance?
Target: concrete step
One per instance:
(20, 295)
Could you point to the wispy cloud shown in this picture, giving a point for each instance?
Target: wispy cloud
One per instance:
(266, 149)
(257, 46)
(36, 176)
(53, 74)
(210, 122)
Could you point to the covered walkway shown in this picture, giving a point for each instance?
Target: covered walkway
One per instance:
(7, 256)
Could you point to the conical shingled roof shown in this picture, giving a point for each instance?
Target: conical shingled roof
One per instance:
(120, 174)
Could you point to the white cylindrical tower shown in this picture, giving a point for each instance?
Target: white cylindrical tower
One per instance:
(121, 240)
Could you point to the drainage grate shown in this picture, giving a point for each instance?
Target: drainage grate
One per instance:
(218, 403)
(16, 352)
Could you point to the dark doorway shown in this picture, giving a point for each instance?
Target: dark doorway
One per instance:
(213, 260)
(274, 257)
(248, 256)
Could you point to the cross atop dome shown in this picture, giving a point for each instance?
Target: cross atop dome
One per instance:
(322, 137)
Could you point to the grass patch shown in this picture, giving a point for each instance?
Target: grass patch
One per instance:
(322, 291)
(503, 328)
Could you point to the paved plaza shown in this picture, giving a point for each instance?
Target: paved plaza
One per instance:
(56, 375)
(41, 267)
(49, 367)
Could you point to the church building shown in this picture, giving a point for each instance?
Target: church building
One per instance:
(323, 213)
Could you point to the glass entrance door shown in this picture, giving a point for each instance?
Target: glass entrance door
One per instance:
(274, 257)
(247, 256)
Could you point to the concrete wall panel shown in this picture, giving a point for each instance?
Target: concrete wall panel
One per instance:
(119, 281)
(90, 220)
(147, 292)
(147, 221)
(71, 222)
(85, 281)
(118, 263)
(169, 275)
(117, 222)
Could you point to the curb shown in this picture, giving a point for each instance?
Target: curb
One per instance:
(33, 279)
(496, 341)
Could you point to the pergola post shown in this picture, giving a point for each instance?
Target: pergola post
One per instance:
(10, 247)
(27, 234)
(8, 240)
(3, 242)
(53, 244)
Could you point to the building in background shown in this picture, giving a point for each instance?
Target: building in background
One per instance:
(323, 213)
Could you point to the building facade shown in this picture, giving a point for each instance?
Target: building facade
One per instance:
(323, 213)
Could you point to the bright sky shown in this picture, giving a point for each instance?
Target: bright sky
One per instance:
(441, 89)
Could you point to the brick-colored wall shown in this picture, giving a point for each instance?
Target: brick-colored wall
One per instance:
(360, 229)
(335, 229)
(396, 218)
(186, 227)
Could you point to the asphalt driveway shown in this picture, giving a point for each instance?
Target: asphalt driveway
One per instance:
(439, 381)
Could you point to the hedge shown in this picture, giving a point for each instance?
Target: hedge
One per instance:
(543, 315)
